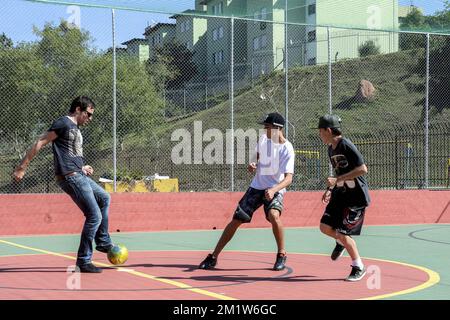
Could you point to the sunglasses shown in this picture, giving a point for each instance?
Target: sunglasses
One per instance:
(89, 114)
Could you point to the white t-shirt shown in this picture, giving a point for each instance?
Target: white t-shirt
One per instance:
(275, 159)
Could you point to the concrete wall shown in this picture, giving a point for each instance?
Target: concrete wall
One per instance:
(57, 214)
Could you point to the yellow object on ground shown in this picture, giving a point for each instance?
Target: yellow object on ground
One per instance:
(163, 185)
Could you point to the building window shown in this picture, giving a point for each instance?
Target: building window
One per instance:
(312, 36)
(312, 61)
(263, 67)
(156, 39)
(312, 9)
(217, 33)
(260, 42)
(263, 14)
(256, 43)
(256, 17)
(218, 8)
(218, 57)
(184, 26)
(263, 41)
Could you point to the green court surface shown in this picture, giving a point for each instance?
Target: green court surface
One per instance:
(425, 246)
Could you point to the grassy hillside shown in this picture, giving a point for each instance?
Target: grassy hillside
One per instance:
(395, 115)
(399, 92)
(397, 107)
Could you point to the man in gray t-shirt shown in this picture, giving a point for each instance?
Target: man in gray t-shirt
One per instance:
(72, 175)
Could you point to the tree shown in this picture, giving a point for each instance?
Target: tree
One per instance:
(38, 80)
(76, 69)
(415, 20)
(5, 42)
(368, 48)
(441, 19)
(24, 81)
(62, 46)
(439, 75)
(178, 61)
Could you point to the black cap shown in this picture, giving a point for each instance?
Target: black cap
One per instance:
(329, 121)
(274, 119)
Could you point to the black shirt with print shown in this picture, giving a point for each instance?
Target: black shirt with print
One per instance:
(67, 147)
(344, 158)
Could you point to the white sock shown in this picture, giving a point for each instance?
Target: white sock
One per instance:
(358, 263)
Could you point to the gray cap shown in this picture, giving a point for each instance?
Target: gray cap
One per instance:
(329, 121)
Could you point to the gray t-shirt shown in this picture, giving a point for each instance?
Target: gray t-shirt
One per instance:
(67, 147)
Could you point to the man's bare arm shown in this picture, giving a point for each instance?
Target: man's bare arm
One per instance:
(43, 140)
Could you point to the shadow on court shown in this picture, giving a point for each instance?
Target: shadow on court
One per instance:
(35, 269)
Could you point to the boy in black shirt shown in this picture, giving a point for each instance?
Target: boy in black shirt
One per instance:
(347, 194)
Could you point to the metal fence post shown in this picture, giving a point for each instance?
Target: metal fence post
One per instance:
(164, 100)
(232, 103)
(206, 95)
(330, 92)
(114, 99)
(184, 100)
(286, 67)
(252, 71)
(427, 95)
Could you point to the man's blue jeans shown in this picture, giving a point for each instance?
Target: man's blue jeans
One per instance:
(94, 202)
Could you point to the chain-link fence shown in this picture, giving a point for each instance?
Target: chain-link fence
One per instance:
(195, 81)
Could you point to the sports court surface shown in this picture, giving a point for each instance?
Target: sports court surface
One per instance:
(404, 262)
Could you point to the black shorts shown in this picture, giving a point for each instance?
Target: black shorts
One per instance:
(346, 220)
(252, 200)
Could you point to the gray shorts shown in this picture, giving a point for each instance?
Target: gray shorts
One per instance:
(252, 200)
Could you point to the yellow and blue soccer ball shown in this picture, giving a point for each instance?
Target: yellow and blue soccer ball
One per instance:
(118, 254)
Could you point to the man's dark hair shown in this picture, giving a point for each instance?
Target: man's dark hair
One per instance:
(83, 102)
(336, 131)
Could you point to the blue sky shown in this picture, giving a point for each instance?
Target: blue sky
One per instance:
(17, 18)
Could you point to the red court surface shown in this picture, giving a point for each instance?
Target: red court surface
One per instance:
(173, 275)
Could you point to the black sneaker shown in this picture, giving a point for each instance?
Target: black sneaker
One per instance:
(280, 262)
(104, 249)
(209, 262)
(338, 251)
(356, 274)
(89, 268)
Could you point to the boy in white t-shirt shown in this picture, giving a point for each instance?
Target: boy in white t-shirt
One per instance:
(274, 170)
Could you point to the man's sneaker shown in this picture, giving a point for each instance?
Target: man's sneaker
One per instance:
(209, 262)
(104, 249)
(280, 262)
(89, 268)
(338, 251)
(356, 274)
